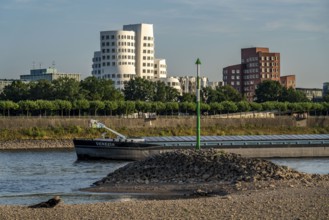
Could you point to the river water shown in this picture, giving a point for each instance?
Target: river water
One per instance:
(29, 177)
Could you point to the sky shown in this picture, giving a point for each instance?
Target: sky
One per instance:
(40, 33)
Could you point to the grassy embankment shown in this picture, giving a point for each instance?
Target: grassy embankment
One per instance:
(71, 132)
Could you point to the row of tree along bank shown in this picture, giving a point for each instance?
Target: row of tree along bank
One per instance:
(140, 89)
(84, 107)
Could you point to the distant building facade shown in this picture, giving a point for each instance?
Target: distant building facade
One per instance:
(288, 81)
(232, 75)
(5, 82)
(160, 68)
(48, 74)
(312, 94)
(172, 82)
(215, 84)
(126, 54)
(257, 65)
(188, 83)
(325, 90)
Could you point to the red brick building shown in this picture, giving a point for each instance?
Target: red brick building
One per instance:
(288, 81)
(257, 65)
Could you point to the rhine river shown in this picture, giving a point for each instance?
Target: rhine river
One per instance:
(29, 177)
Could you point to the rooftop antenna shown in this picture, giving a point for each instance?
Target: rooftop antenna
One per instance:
(40, 65)
(53, 64)
(33, 65)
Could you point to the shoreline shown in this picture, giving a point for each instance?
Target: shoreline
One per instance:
(33, 144)
(271, 200)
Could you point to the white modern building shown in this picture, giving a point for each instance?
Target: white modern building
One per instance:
(215, 84)
(172, 82)
(144, 49)
(160, 68)
(48, 74)
(125, 54)
(188, 83)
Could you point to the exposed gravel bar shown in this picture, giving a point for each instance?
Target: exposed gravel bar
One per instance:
(36, 144)
(211, 185)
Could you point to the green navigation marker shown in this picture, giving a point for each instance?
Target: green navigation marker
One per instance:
(198, 129)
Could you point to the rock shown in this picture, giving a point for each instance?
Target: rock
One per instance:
(198, 166)
(51, 203)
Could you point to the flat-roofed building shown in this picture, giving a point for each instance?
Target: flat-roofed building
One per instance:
(313, 94)
(48, 74)
(288, 81)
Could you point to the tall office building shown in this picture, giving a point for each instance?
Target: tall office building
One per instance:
(125, 54)
(325, 89)
(257, 65)
(144, 49)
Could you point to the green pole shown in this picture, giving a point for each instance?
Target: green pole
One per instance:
(198, 129)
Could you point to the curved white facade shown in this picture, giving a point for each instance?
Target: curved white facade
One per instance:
(144, 49)
(125, 54)
(160, 68)
(117, 57)
(172, 82)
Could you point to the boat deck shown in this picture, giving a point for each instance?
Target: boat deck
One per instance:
(244, 140)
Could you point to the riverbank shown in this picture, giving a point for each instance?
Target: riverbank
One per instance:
(205, 184)
(36, 144)
(46, 128)
(274, 200)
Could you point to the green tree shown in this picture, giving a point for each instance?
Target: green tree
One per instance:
(292, 95)
(317, 107)
(187, 97)
(45, 105)
(28, 106)
(326, 98)
(80, 105)
(268, 106)
(96, 105)
(62, 105)
(172, 106)
(111, 106)
(268, 90)
(216, 107)
(41, 90)
(158, 107)
(326, 107)
(16, 91)
(139, 89)
(7, 106)
(185, 106)
(66, 88)
(126, 107)
(210, 95)
(255, 107)
(295, 107)
(243, 106)
(93, 89)
(228, 93)
(229, 106)
(281, 106)
(305, 106)
(204, 107)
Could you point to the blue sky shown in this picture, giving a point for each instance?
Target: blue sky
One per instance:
(67, 32)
